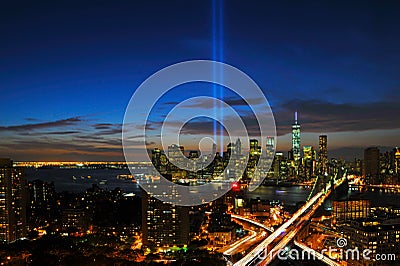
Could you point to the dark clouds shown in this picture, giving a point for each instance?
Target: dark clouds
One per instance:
(76, 135)
(322, 116)
(314, 116)
(61, 139)
(44, 125)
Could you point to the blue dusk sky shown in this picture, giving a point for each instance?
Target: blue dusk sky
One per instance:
(69, 68)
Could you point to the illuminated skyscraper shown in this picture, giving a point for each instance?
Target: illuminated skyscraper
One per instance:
(163, 224)
(308, 153)
(214, 150)
(176, 157)
(371, 165)
(156, 157)
(323, 154)
(238, 147)
(397, 160)
(309, 161)
(255, 149)
(231, 149)
(270, 147)
(13, 202)
(296, 138)
(176, 153)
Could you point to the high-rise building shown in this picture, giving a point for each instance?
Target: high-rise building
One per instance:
(309, 161)
(231, 149)
(42, 203)
(156, 157)
(344, 211)
(214, 150)
(371, 165)
(176, 153)
(308, 153)
(270, 147)
(376, 235)
(296, 138)
(176, 157)
(255, 150)
(74, 219)
(13, 202)
(323, 154)
(238, 147)
(163, 224)
(397, 160)
(193, 155)
(279, 166)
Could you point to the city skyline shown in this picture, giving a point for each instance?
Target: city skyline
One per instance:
(199, 133)
(66, 83)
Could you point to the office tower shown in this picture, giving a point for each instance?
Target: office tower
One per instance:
(42, 203)
(193, 154)
(175, 157)
(323, 154)
(254, 148)
(371, 165)
(231, 149)
(397, 160)
(214, 150)
(175, 153)
(279, 165)
(344, 211)
(376, 235)
(160, 162)
(163, 224)
(156, 158)
(238, 147)
(308, 153)
(74, 219)
(270, 148)
(13, 202)
(309, 161)
(296, 138)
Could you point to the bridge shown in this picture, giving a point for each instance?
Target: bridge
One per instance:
(268, 249)
(383, 187)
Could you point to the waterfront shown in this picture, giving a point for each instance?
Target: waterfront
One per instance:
(63, 180)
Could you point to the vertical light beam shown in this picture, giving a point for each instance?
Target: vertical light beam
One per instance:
(221, 74)
(214, 57)
(218, 55)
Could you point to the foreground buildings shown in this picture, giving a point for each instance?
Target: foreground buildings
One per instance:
(13, 202)
(163, 224)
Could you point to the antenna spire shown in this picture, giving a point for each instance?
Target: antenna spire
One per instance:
(295, 117)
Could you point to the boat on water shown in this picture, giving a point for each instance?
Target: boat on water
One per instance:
(74, 178)
(124, 176)
(103, 182)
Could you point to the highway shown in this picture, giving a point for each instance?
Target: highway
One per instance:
(247, 241)
(235, 247)
(252, 222)
(319, 256)
(262, 255)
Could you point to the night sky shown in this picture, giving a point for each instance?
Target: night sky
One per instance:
(69, 68)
